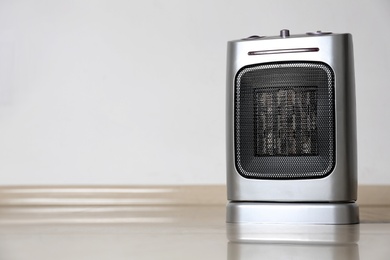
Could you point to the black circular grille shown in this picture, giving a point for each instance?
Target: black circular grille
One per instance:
(284, 120)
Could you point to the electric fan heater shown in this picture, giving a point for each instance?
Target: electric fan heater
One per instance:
(291, 131)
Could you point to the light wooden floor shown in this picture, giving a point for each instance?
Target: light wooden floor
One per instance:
(165, 232)
(159, 223)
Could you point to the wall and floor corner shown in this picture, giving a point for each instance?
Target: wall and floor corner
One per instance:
(133, 93)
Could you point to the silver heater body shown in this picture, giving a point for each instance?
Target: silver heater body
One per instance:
(291, 130)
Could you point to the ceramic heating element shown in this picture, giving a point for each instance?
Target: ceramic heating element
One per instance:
(291, 129)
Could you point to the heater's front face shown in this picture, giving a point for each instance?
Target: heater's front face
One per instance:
(284, 120)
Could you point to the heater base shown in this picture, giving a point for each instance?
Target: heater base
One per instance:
(292, 213)
(292, 222)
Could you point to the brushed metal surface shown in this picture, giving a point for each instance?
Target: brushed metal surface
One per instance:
(336, 50)
(292, 213)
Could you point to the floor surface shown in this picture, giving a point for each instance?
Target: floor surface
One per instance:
(164, 232)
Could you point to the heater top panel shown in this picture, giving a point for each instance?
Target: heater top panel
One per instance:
(285, 33)
(331, 48)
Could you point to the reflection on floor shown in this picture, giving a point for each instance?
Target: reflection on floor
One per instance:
(175, 232)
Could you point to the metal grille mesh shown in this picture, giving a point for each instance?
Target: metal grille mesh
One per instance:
(284, 120)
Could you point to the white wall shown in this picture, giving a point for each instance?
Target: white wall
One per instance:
(133, 92)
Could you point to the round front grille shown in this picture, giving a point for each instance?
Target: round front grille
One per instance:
(284, 120)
